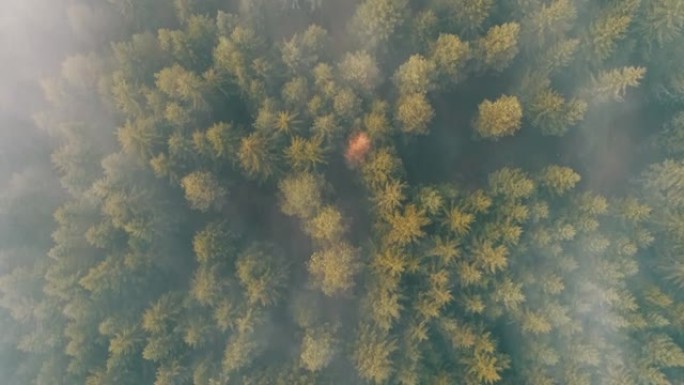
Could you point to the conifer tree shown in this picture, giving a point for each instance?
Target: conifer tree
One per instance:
(318, 349)
(301, 195)
(372, 353)
(498, 48)
(661, 21)
(499, 118)
(414, 113)
(203, 191)
(416, 75)
(256, 156)
(376, 21)
(612, 85)
(360, 70)
(558, 179)
(450, 55)
(333, 268)
(466, 16)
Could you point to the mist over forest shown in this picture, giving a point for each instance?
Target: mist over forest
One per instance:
(304, 192)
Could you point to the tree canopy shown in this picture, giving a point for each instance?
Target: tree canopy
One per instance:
(247, 192)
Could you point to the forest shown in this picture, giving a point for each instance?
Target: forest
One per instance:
(357, 192)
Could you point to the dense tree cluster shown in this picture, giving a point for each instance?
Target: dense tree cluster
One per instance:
(240, 192)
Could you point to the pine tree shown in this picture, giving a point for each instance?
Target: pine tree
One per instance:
(203, 191)
(559, 55)
(612, 84)
(376, 21)
(327, 226)
(333, 268)
(262, 274)
(303, 51)
(256, 156)
(549, 22)
(553, 114)
(407, 226)
(450, 56)
(139, 137)
(346, 104)
(414, 113)
(512, 183)
(372, 355)
(467, 16)
(305, 154)
(182, 85)
(376, 121)
(459, 222)
(206, 285)
(416, 75)
(381, 166)
(605, 33)
(301, 195)
(360, 70)
(558, 179)
(661, 21)
(318, 349)
(214, 242)
(498, 48)
(295, 93)
(389, 197)
(499, 118)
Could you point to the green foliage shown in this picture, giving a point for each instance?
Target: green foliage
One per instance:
(416, 75)
(360, 70)
(511, 183)
(389, 197)
(407, 226)
(549, 21)
(428, 257)
(612, 85)
(305, 154)
(262, 274)
(303, 51)
(372, 353)
(192, 46)
(139, 137)
(450, 55)
(318, 349)
(558, 179)
(203, 191)
(256, 156)
(222, 141)
(376, 21)
(380, 166)
(661, 21)
(605, 32)
(295, 93)
(346, 104)
(466, 16)
(663, 182)
(301, 195)
(414, 113)
(206, 286)
(672, 136)
(498, 48)
(376, 122)
(559, 55)
(333, 268)
(327, 226)
(182, 85)
(553, 114)
(499, 118)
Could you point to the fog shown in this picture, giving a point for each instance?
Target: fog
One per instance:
(178, 204)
